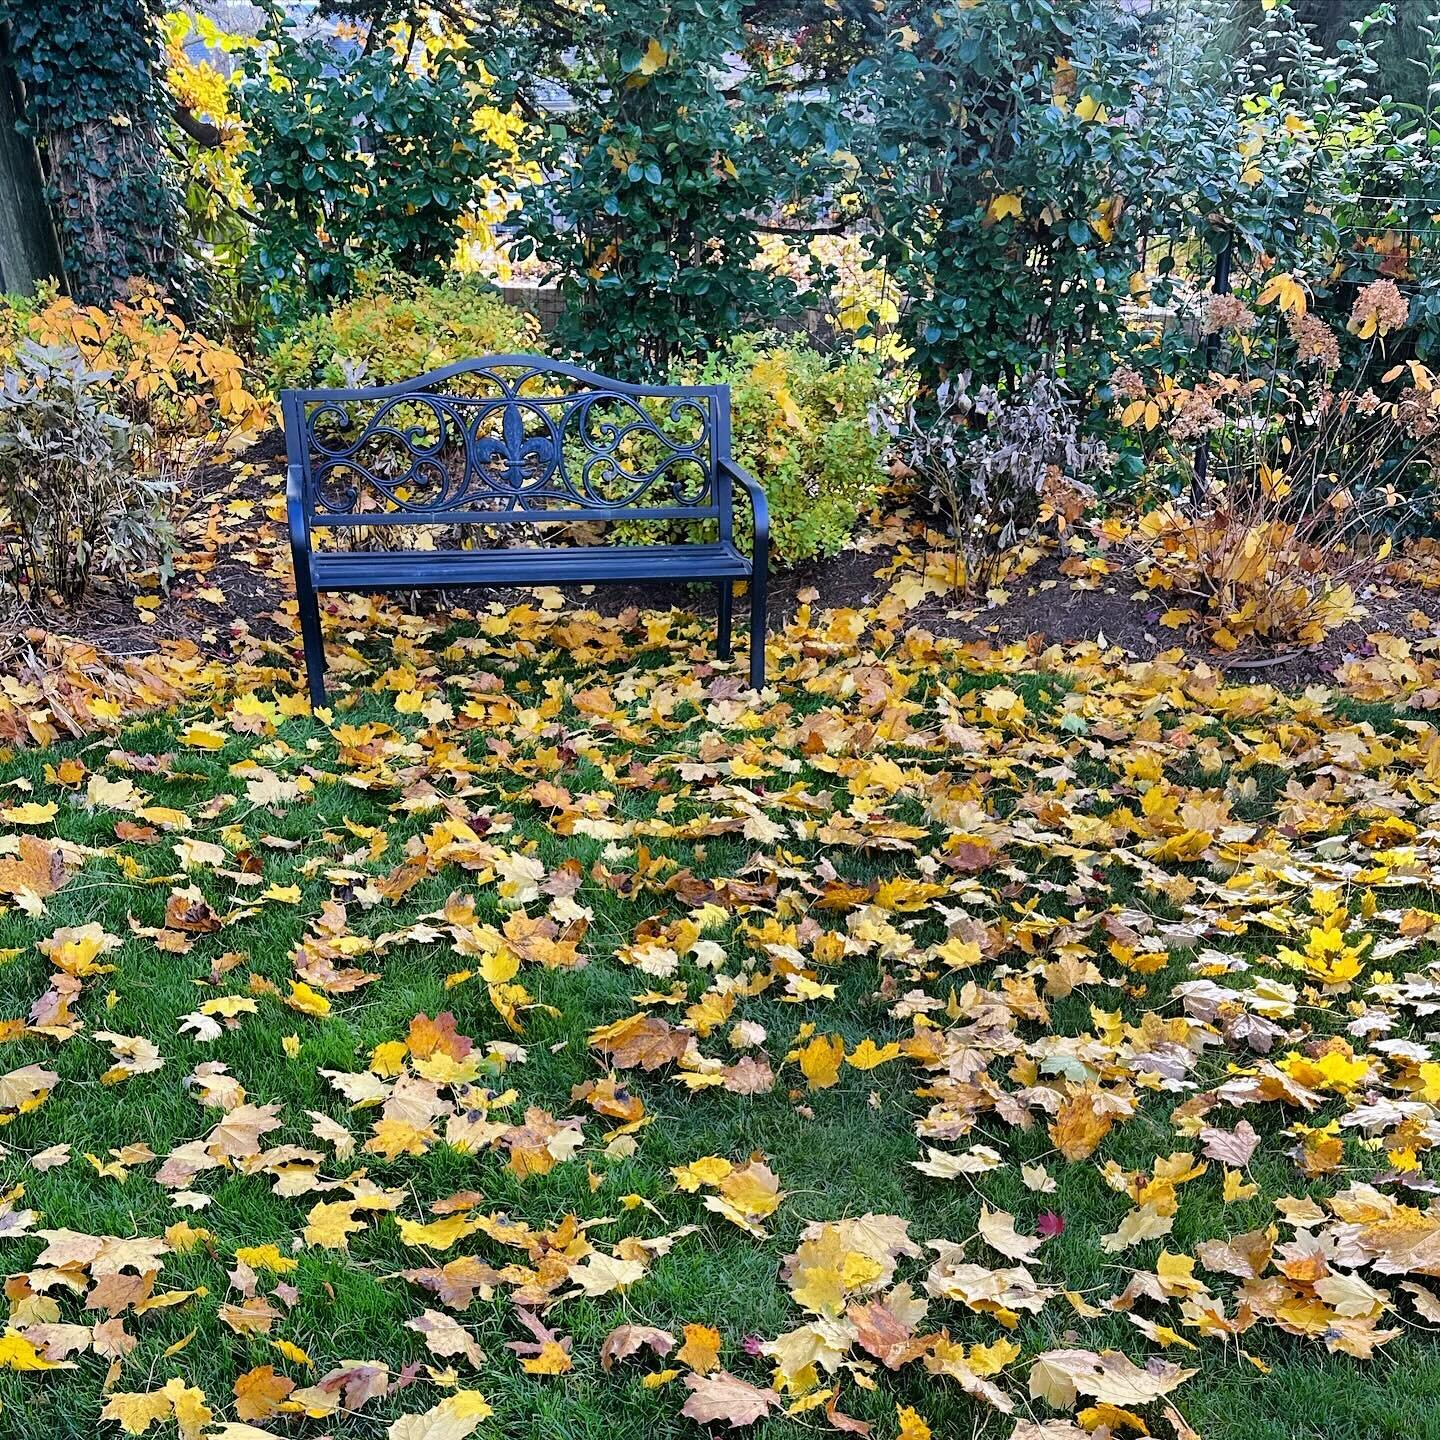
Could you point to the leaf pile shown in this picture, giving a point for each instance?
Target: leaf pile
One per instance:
(950, 1039)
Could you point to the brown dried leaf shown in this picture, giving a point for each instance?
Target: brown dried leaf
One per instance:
(726, 1397)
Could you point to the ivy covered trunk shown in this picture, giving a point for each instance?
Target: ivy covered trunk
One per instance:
(28, 252)
(88, 69)
(109, 208)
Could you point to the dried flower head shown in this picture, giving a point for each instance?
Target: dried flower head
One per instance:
(1198, 415)
(1228, 313)
(1127, 384)
(1379, 308)
(1315, 341)
(1418, 412)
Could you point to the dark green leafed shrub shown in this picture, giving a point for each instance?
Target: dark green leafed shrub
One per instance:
(399, 332)
(358, 162)
(646, 215)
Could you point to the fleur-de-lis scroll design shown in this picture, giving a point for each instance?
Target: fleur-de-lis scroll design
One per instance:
(514, 463)
(480, 437)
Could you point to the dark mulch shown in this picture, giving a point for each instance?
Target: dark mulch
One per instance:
(1047, 608)
(1044, 606)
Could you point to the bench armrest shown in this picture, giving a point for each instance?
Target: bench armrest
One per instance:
(759, 567)
(298, 514)
(759, 506)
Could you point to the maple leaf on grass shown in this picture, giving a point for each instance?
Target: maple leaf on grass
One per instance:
(457, 1416)
(997, 1230)
(548, 1353)
(627, 1340)
(725, 1399)
(331, 1223)
(976, 1161)
(444, 1336)
(259, 1392)
(820, 1061)
(1057, 1376)
(1232, 1147)
(701, 1350)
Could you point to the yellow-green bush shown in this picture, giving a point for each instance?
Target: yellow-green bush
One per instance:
(17, 316)
(802, 427)
(398, 332)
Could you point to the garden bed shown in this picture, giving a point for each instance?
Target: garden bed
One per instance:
(234, 580)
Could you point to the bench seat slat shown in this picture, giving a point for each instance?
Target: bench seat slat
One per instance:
(403, 570)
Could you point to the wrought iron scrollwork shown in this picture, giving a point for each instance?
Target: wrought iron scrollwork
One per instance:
(483, 438)
(405, 466)
(604, 480)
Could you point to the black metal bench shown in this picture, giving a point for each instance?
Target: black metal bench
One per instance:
(515, 438)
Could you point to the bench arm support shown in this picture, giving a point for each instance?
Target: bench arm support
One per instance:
(760, 567)
(759, 506)
(297, 514)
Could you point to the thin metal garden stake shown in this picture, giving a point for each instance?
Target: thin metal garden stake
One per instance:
(1212, 356)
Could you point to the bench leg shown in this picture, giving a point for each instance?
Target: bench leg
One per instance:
(758, 585)
(725, 593)
(314, 640)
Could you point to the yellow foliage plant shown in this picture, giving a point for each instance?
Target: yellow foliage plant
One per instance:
(1308, 473)
(214, 175)
(862, 298)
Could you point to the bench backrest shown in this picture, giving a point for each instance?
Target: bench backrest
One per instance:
(506, 438)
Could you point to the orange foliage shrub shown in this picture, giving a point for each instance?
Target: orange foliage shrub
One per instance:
(165, 374)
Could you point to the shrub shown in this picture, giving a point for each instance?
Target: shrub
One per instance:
(209, 145)
(398, 332)
(1245, 576)
(158, 372)
(647, 217)
(74, 502)
(804, 427)
(993, 465)
(359, 159)
(1312, 463)
(18, 314)
(1003, 187)
(1048, 176)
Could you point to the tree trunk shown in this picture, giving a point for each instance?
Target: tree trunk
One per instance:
(102, 191)
(28, 252)
(89, 75)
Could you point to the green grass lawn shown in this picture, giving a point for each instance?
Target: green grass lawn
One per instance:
(655, 755)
